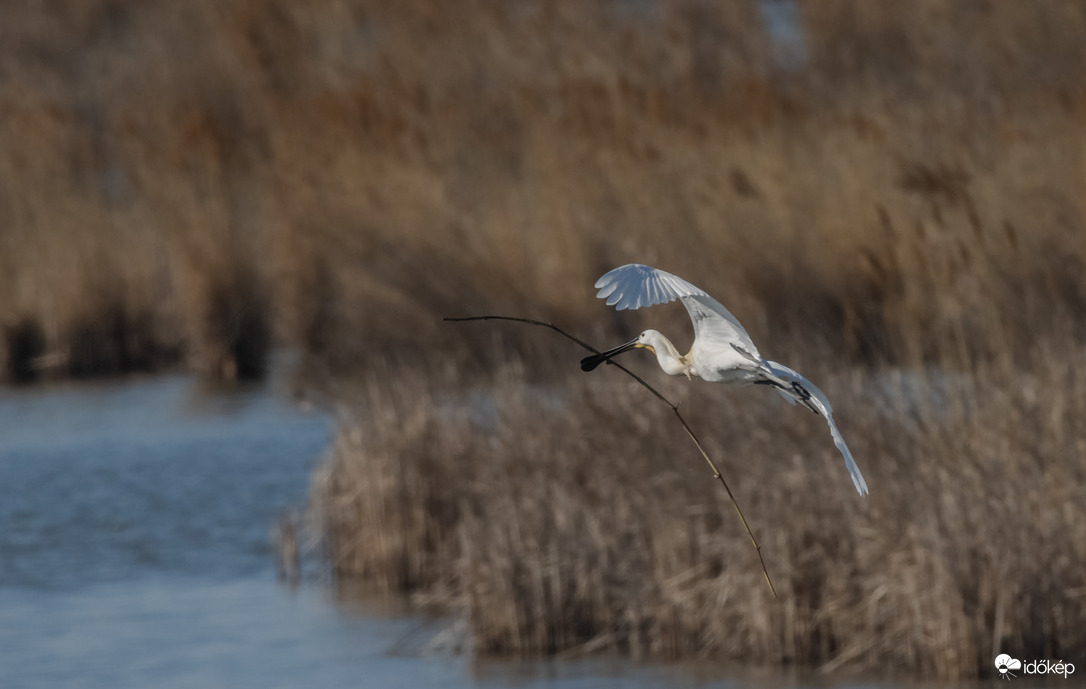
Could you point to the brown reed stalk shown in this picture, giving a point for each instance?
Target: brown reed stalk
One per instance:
(669, 403)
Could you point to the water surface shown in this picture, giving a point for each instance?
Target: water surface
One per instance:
(136, 552)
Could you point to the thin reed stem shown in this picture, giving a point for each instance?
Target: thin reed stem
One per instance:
(674, 408)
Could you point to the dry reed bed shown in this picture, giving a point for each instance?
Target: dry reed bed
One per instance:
(174, 176)
(576, 515)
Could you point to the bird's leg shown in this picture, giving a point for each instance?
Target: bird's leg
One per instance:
(795, 389)
(804, 396)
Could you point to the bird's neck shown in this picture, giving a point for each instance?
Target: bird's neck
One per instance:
(670, 360)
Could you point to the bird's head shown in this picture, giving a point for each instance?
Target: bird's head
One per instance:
(647, 340)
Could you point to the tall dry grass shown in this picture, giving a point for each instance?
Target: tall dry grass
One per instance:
(199, 182)
(575, 516)
(173, 173)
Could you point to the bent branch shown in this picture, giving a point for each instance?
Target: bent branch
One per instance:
(674, 408)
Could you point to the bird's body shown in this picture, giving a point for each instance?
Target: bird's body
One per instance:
(722, 351)
(714, 366)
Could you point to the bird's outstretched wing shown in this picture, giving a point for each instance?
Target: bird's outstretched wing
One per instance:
(635, 285)
(799, 389)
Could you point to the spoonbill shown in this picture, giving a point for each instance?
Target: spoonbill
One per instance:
(722, 352)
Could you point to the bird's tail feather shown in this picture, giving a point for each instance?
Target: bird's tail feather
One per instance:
(795, 388)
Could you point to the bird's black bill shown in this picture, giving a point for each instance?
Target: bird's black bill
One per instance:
(589, 363)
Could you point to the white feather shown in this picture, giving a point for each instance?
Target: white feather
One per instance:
(722, 351)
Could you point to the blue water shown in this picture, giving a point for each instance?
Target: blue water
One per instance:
(146, 479)
(135, 551)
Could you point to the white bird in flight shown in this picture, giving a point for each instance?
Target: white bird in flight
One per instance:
(722, 352)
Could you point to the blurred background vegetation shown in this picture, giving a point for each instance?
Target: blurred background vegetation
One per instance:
(888, 195)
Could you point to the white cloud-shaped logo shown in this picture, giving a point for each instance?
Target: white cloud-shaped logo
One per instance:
(1004, 663)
